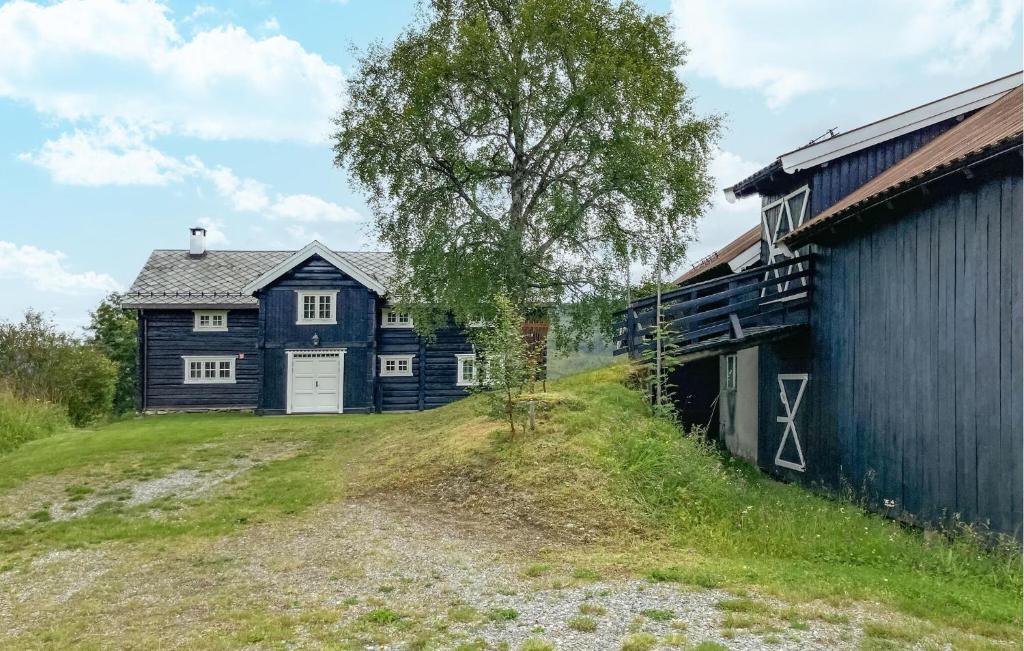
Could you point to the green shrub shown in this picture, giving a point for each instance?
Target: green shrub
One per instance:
(37, 361)
(23, 420)
(114, 330)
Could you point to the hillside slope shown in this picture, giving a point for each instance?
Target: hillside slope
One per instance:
(225, 522)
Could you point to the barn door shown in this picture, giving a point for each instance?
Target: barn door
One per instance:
(791, 392)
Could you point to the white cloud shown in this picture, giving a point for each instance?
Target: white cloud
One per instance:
(126, 60)
(214, 231)
(118, 155)
(307, 208)
(46, 271)
(245, 195)
(110, 155)
(271, 24)
(788, 49)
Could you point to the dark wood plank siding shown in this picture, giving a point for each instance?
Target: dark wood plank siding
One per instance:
(915, 354)
(353, 331)
(839, 178)
(434, 368)
(836, 179)
(168, 335)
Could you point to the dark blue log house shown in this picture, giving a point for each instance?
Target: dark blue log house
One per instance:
(283, 332)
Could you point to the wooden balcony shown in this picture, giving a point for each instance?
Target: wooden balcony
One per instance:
(724, 314)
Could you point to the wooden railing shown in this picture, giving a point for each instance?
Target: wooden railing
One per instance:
(776, 294)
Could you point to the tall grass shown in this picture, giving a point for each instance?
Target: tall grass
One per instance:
(23, 420)
(743, 524)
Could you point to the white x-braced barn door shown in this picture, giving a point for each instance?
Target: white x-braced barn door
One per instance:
(777, 220)
(791, 392)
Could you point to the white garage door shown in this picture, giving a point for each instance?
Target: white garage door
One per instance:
(315, 381)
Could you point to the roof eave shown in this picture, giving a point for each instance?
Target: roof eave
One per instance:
(813, 231)
(189, 306)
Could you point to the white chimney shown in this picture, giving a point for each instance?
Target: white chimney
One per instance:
(197, 241)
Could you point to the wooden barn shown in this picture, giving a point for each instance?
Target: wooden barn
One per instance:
(875, 343)
(282, 332)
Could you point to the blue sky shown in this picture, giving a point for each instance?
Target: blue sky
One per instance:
(122, 123)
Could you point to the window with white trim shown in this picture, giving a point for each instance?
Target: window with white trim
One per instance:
(393, 319)
(466, 369)
(730, 372)
(317, 307)
(396, 365)
(206, 369)
(210, 320)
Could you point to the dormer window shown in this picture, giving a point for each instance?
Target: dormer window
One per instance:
(210, 320)
(395, 319)
(317, 307)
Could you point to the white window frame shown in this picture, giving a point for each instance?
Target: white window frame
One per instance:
(397, 359)
(301, 296)
(217, 360)
(387, 311)
(731, 379)
(460, 379)
(197, 317)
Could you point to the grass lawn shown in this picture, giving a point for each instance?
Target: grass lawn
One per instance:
(606, 491)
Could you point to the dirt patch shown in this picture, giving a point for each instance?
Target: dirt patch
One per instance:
(71, 495)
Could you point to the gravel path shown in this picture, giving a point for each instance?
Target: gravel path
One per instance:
(384, 574)
(441, 570)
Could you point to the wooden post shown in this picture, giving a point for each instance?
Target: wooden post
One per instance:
(422, 371)
(657, 325)
(531, 410)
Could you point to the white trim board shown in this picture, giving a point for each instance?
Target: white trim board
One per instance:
(899, 124)
(308, 251)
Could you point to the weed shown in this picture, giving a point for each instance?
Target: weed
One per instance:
(502, 614)
(535, 644)
(658, 615)
(584, 574)
(42, 515)
(741, 605)
(463, 614)
(382, 616)
(583, 624)
(535, 570)
(639, 642)
(592, 609)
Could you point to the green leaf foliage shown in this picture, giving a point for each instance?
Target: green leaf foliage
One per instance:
(506, 359)
(114, 331)
(530, 147)
(37, 361)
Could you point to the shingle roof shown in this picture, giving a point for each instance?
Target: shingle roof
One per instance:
(995, 125)
(216, 279)
(722, 255)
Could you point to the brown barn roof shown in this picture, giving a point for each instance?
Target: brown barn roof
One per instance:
(722, 255)
(995, 125)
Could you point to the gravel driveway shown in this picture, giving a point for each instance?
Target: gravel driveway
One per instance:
(384, 573)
